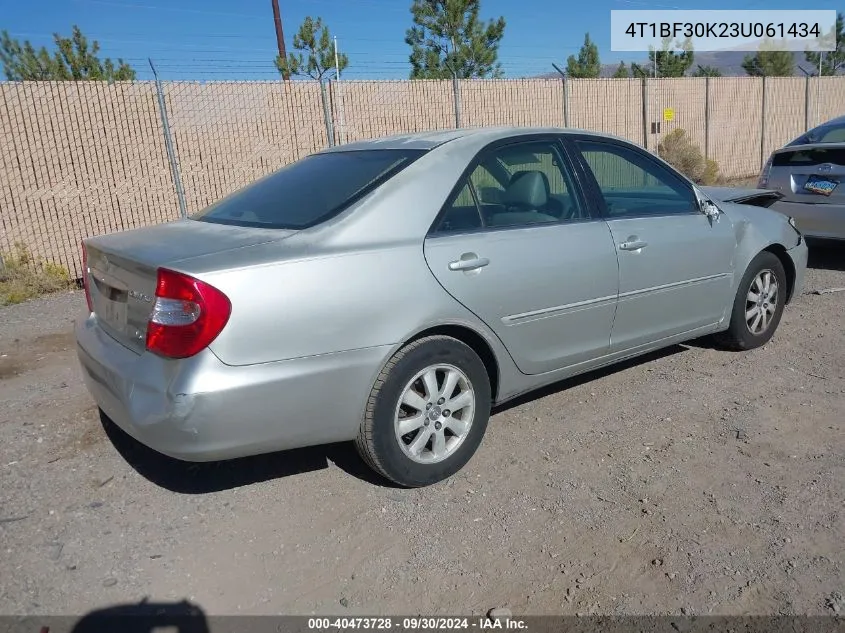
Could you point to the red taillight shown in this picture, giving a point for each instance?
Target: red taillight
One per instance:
(763, 180)
(187, 315)
(85, 280)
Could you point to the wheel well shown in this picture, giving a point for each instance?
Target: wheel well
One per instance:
(478, 345)
(780, 252)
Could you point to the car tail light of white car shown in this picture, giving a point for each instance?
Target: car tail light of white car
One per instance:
(188, 314)
(85, 280)
(763, 181)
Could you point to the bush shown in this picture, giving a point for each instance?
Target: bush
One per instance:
(678, 150)
(711, 173)
(22, 277)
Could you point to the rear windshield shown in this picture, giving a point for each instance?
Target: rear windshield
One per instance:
(809, 157)
(823, 134)
(308, 191)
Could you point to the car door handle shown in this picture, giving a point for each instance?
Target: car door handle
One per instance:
(632, 245)
(470, 263)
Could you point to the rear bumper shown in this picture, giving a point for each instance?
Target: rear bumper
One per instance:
(815, 220)
(200, 409)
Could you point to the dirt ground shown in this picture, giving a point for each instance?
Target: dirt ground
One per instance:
(694, 479)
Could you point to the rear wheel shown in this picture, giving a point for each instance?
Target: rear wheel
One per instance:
(427, 413)
(758, 305)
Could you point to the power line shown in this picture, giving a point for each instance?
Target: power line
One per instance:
(100, 37)
(382, 6)
(127, 5)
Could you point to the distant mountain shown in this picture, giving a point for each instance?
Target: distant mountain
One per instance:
(728, 62)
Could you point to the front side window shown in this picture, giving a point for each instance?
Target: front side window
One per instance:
(309, 191)
(634, 185)
(514, 186)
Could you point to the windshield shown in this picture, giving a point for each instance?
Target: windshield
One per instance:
(309, 191)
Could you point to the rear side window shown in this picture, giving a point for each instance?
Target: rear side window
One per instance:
(309, 191)
(809, 157)
(833, 133)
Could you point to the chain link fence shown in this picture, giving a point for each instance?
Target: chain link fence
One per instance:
(86, 158)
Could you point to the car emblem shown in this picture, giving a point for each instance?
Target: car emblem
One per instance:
(825, 168)
(140, 296)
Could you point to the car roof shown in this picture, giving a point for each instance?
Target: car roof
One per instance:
(835, 121)
(431, 139)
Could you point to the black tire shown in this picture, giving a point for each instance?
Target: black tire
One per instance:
(377, 440)
(739, 336)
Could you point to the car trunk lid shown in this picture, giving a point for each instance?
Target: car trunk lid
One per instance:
(122, 268)
(812, 174)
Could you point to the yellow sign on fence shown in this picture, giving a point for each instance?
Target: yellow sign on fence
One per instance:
(668, 114)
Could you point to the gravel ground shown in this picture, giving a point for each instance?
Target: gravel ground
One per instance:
(691, 479)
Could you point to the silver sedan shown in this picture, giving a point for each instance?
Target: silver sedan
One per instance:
(391, 291)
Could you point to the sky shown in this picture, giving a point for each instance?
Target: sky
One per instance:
(219, 39)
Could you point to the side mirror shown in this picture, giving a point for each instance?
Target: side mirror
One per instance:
(709, 209)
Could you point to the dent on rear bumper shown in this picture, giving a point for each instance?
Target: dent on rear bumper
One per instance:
(200, 409)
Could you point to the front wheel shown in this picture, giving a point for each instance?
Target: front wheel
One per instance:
(758, 305)
(427, 412)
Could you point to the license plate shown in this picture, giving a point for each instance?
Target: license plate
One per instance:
(819, 185)
(114, 312)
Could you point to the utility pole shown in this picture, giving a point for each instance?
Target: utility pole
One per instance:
(280, 36)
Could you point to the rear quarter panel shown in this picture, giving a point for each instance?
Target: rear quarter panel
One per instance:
(332, 303)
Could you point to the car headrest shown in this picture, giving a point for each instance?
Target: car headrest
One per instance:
(527, 189)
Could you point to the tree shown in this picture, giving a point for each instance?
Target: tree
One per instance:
(449, 39)
(767, 62)
(587, 64)
(832, 61)
(707, 71)
(621, 71)
(73, 59)
(670, 63)
(316, 57)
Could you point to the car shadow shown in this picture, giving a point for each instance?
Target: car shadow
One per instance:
(207, 477)
(194, 478)
(576, 381)
(826, 254)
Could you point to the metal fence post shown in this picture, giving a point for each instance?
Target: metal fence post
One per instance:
(327, 115)
(707, 118)
(456, 91)
(763, 126)
(645, 111)
(806, 103)
(342, 135)
(565, 88)
(168, 144)
(565, 102)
